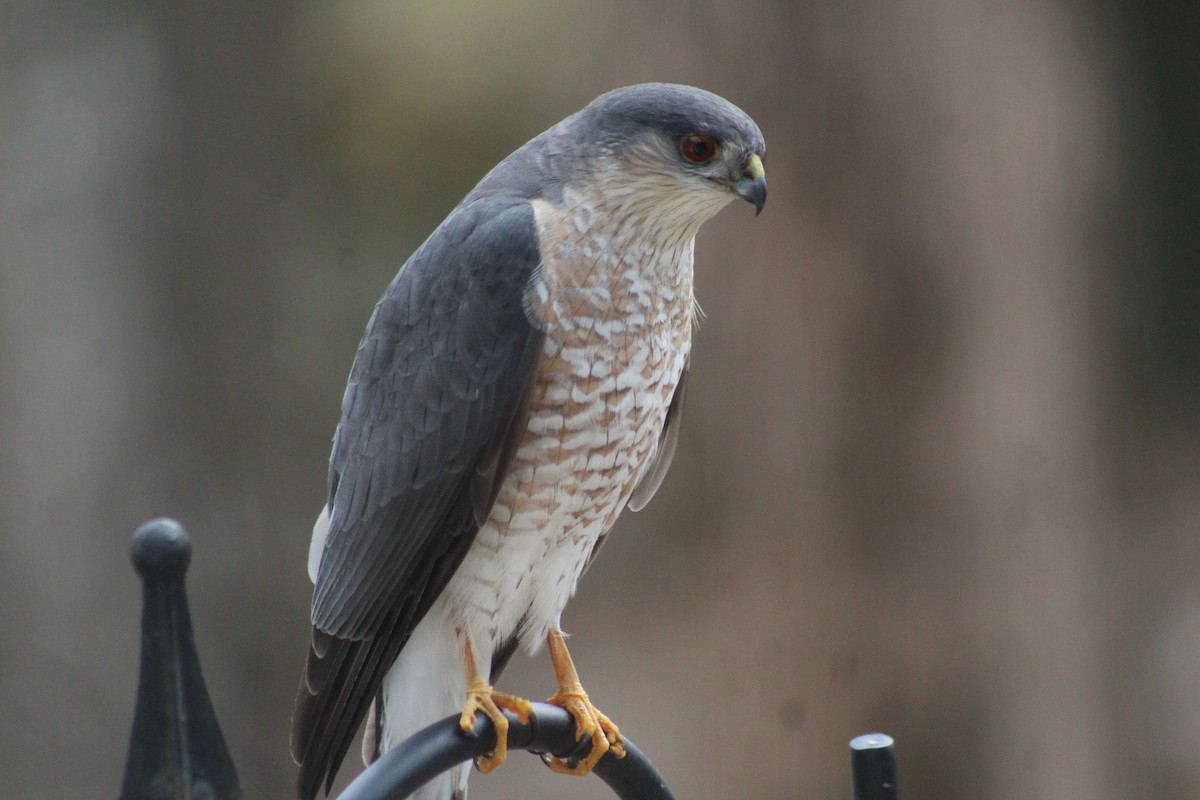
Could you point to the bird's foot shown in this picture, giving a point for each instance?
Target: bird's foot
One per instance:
(482, 697)
(589, 721)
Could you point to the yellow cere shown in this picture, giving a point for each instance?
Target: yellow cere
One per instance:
(755, 168)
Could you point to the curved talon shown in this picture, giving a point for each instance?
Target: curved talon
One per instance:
(482, 697)
(588, 719)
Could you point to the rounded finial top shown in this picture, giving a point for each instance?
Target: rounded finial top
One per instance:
(161, 549)
(871, 741)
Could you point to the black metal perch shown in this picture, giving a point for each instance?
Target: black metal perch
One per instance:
(550, 729)
(177, 752)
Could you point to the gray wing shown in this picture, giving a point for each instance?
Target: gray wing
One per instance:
(433, 411)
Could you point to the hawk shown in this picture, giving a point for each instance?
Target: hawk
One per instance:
(518, 385)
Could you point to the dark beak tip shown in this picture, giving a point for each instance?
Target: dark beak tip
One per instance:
(757, 195)
(754, 191)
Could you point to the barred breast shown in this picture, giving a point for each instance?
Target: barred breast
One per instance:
(618, 335)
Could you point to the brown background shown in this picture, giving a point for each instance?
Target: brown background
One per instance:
(940, 468)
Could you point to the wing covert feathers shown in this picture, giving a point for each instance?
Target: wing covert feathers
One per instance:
(435, 402)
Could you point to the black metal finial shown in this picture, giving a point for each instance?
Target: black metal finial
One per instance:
(873, 765)
(161, 550)
(176, 750)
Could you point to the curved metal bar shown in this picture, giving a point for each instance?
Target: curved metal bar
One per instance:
(414, 762)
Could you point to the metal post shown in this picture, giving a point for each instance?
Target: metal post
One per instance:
(873, 765)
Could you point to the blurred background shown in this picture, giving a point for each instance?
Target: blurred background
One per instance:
(940, 472)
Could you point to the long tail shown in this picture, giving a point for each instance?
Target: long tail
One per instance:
(341, 678)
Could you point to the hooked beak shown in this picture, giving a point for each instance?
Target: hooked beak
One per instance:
(752, 187)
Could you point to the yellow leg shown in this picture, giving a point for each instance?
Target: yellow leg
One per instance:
(482, 697)
(588, 719)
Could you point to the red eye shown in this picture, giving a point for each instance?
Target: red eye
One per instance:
(698, 149)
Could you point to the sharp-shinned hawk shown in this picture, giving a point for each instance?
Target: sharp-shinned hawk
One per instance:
(518, 385)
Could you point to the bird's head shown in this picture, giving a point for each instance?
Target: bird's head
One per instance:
(680, 134)
(674, 151)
